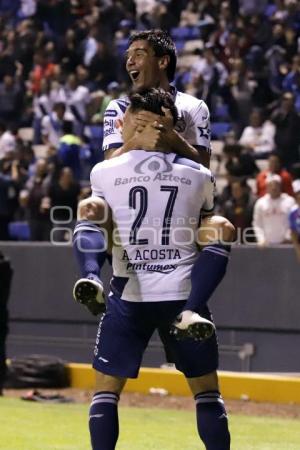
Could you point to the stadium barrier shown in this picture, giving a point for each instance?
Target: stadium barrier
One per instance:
(238, 386)
(256, 309)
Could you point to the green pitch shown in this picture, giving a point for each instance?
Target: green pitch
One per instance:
(33, 426)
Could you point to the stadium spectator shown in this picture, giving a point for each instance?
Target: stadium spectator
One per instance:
(241, 87)
(287, 136)
(238, 209)
(10, 101)
(63, 194)
(294, 219)
(77, 100)
(271, 212)
(211, 77)
(274, 167)
(9, 185)
(239, 162)
(103, 67)
(7, 140)
(42, 106)
(52, 124)
(258, 136)
(42, 68)
(69, 150)
(38, 201)
(291, 82)
(68, 52)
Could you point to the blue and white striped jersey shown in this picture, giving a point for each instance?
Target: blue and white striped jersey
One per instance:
(156, 200)
(193, 123)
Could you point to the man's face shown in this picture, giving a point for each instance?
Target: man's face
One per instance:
(274, 164)
(144, 68)
(274, 189)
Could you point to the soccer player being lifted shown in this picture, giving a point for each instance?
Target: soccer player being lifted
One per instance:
(155, 199)
(151, 62)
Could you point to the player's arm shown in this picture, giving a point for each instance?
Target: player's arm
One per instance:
(198, 147)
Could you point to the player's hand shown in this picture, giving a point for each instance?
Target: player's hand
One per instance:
(144, 118)
(152, 138)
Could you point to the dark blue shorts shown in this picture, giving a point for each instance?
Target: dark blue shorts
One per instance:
(126, 328)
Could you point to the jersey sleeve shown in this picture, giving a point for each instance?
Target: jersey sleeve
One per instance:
(95, 178)
(199, 126)
(112, 125)
(209, 195)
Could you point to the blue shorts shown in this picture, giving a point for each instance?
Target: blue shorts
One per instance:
(126, 328)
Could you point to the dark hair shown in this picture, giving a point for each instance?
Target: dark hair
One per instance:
(67, 127)
(3, 126)
(153, 100)
(162, 44)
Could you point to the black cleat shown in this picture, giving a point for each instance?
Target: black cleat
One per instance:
(191, 325)
(90, 293)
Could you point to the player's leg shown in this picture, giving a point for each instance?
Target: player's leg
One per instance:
(212, 422)
(198, 361)
(215, 237)
(90, 242)
(103, 415)
(123, 334)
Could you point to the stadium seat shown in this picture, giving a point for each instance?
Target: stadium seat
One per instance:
(219, 129)
(19, 231)
(191, 46)
(185, 33)
(221, 112)
(179, 44)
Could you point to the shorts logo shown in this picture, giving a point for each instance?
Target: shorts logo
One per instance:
(154, 164)
(103, 359)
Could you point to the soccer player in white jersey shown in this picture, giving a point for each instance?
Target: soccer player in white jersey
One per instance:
(155, 199)
(151, 62)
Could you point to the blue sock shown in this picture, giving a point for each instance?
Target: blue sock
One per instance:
(212, 421)
(207, 273)
(104, 421)
(90, 248)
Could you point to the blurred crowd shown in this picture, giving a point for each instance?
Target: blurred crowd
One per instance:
(61, 61)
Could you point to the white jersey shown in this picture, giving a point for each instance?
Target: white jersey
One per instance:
(156, 201)
(193, 123)
(270, 218)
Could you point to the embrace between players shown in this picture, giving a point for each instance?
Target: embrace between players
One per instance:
(148, 198)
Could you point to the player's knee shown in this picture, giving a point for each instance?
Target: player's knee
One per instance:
(109, 383)
(216, 228)
(228, 230)
(204, 383)
(92, 208)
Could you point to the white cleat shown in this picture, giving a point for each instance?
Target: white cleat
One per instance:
(90, 293)
(189, 324)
